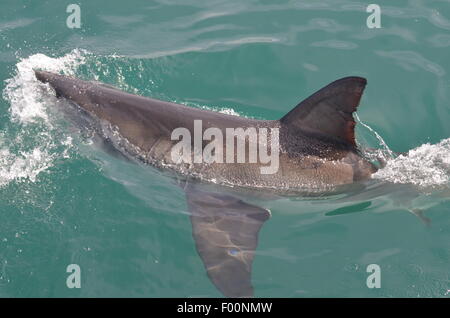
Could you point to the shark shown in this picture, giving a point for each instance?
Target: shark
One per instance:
(317, 153)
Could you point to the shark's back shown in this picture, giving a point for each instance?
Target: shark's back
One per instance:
(316, 139)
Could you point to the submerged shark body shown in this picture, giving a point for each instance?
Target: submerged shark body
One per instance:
(317, 151)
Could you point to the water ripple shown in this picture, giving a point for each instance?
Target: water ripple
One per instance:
(209, 45)
(410, 60)
(18, 23)
(440, 40)
(334, 44)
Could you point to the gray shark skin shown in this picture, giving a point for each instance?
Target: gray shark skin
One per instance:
(317, 153)
(317, 147)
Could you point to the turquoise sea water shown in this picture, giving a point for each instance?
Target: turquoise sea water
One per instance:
(64, 202)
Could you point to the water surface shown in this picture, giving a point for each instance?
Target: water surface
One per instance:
(63, 202)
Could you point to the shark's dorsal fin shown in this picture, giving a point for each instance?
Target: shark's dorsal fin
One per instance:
(328, 112)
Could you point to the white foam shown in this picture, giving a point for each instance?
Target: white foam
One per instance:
(28, 145)
(23, 90)
(26, 165)
(219, 109)
(229, 111)
(427, 165)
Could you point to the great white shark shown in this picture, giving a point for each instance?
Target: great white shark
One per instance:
(317, 152)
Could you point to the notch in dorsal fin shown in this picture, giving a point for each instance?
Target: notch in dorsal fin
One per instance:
(329, 111)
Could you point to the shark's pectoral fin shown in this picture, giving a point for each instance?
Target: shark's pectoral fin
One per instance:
(421, 215)
(328, 112)
(225, 230)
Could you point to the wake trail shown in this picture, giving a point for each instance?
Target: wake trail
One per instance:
(28, 143)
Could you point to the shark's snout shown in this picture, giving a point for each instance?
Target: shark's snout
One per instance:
(64, 86)
(43, 76)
